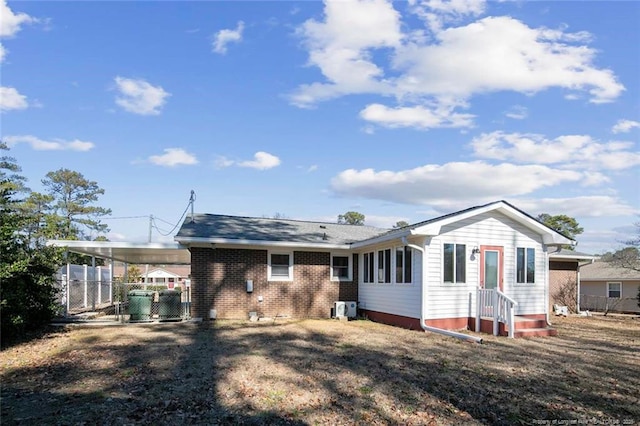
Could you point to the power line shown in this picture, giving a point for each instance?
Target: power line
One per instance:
(184, 213)
(125, 217)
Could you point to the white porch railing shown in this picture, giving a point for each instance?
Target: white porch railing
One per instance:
(495, 304)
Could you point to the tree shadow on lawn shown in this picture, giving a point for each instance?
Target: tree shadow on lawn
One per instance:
(309, 372)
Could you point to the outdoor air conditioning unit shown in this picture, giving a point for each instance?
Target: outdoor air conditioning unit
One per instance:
(346, 309)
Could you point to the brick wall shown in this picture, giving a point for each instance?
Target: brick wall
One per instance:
(218, 280)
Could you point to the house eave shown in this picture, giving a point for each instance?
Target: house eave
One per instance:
(382, 238)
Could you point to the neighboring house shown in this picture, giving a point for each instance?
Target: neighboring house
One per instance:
(604, 287)
(158, 275)
(564, 270)
(441, 273)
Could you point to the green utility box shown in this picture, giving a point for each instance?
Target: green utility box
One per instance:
(170, 308)
(140, 305)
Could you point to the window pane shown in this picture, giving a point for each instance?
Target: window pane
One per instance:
(279, 271)
(461, 263)
(531, 265)
(614, 290)
(366, 268)
(520, 265)
(340, 266)
(280, 259)
(380, 266)
(279, 265)
(407, 264)
(387, 266)
(448, 263)
(399, 265)
(340, 261)
(371, 267)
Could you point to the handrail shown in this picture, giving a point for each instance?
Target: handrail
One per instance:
(494, 303)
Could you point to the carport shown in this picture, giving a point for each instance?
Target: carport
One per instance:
(90, 291)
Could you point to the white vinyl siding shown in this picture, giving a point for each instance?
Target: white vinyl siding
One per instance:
(402, 299)
(447, 300)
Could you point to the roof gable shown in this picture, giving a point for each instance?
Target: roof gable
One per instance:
(549, 235)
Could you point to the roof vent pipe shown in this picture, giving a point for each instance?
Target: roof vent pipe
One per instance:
(423, 310)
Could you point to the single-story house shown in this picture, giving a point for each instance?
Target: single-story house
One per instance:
(466, 270)
(171, 276)
(604, 286)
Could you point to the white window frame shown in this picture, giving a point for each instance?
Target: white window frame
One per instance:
(289, 277)
(370, 271)
(609, 289)
(455, 263)
(526, 265)
(349, 266)
(384, 269)
(404, 249)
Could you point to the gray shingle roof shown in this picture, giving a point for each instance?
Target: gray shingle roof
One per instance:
(213, 226)
(605, 271)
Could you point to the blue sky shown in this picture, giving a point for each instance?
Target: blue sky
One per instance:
(401, 111)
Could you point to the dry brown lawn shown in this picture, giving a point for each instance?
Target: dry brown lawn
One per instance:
(322, 372)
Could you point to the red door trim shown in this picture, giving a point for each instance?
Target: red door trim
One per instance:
(500, 251)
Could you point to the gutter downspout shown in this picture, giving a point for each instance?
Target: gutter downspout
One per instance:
(578, 283)
(423, 307)
(547, 272)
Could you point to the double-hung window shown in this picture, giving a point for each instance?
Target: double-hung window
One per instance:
(280, 266)
(525, 265)
(340, 268)
(614, 290)
(368, 267)
(404, 260)
(384, 266)
(455, 263)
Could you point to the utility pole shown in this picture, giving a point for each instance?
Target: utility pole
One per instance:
(192, 199)
(150, 226)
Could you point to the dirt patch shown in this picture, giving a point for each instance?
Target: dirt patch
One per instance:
(322, 372)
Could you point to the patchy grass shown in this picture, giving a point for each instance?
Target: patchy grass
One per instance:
(322, 372)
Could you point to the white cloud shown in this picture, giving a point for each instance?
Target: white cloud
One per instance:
(50, 145)
(432, 184)
(140, 97)
(224, 37)
(573, 151)
(221, 162)
(3, 53)
(517, 112)
(11, 23)
(262, 161)
(417, 116)
(174, 157)
(341, 46)
(363, 47)
(435, 13)
(502, 54)
(11, 99)
(625, 126)
(312, 168)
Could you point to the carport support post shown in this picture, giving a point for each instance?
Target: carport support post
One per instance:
(111, 281)
(99, 285)
(67, 286)
(86, 278)
(93, 293)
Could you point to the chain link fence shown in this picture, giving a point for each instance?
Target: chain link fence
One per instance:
(140, 302)
(124, 302)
